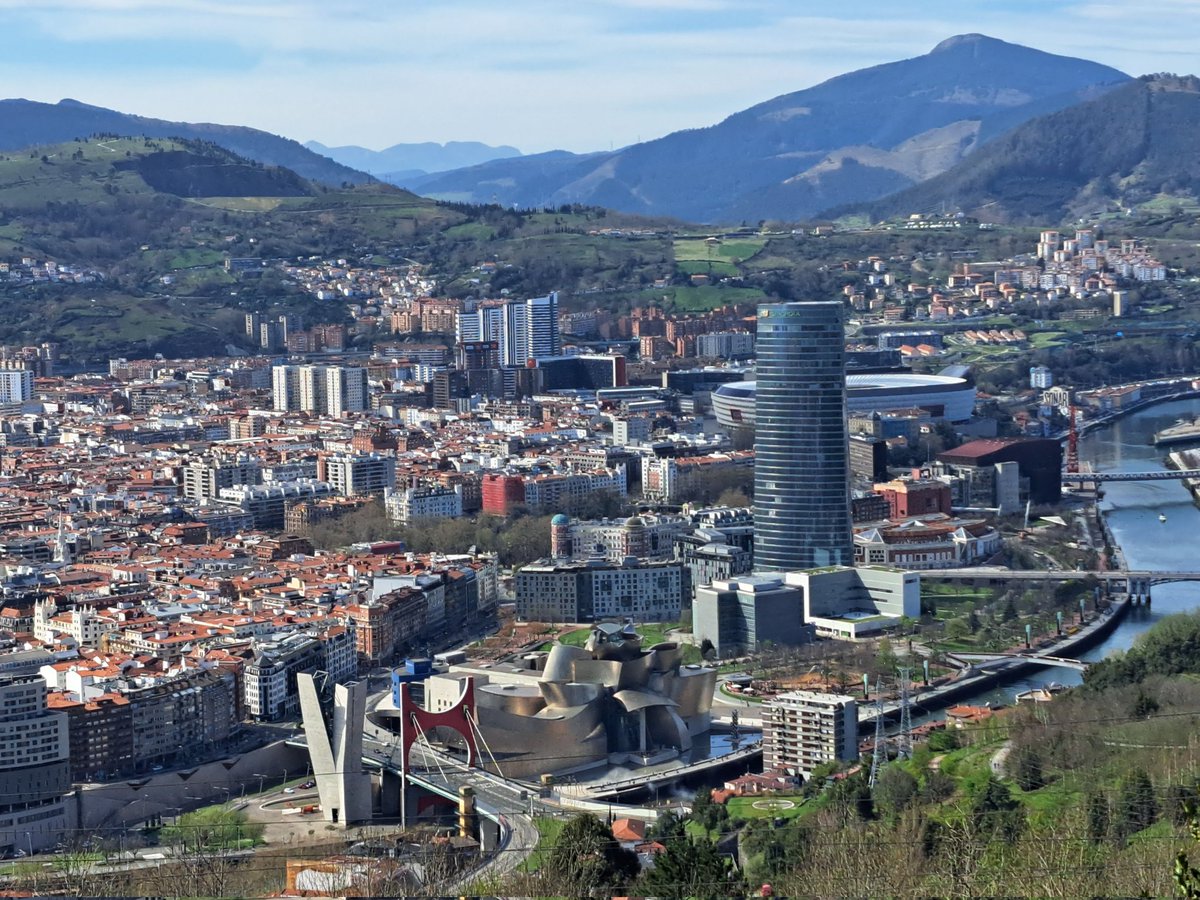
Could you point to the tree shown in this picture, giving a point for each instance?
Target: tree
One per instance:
(937, 786)
(851, 798)
(1137, 807)
(1025, 765)
(894, 790)
(670, 825)
(691, 869)
(707, 649)
(587, 859)
(1097, 817)
(885, 658)
(994, 812)
(944, 740)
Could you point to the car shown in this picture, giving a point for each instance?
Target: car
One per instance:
(309, 784)
(156, 768)
(289, 790)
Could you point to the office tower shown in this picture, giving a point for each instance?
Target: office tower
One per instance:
(801, 469)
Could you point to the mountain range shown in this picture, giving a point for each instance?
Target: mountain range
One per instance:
(26, 123)
(407, 161)
(856, 137)
(1128, 147)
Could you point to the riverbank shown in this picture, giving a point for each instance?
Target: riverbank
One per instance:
(969, 684)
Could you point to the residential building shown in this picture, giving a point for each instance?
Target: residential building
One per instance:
(204, 477)
(585, 592)
(428, 502)
(358, 473)
(16, 385)
(34, 766)
(269, 679)
(805, 729)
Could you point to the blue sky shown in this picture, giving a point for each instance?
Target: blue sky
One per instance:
(538, 74)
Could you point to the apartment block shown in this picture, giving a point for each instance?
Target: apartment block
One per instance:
(804, 729)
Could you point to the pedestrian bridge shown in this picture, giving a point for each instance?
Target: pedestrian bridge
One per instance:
(1121, 580)
(989, 660)
(1158, 475)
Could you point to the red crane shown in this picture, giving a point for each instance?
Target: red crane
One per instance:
(1072, 443)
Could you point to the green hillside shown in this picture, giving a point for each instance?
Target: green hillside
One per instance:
(1132, 148)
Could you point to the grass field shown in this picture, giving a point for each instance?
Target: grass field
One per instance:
(710, 296)
(548, 831)
(791, 807)
(737, 250)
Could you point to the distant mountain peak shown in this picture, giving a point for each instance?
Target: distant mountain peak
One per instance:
(963, 40)
(857, 136)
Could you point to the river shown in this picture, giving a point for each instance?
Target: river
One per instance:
(1132, 509)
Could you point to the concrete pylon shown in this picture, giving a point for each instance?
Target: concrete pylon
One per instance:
(335, 749)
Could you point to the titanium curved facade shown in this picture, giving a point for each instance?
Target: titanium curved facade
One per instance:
(801, 466)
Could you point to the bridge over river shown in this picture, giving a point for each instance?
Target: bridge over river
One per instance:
(1135, 583)
(984, 661)
(1102, 477)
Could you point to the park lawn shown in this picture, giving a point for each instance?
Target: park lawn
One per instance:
(706, 267)
(744, 808)
(710, 296)
(730, 250)
(1046, 339)
(548, 831)
(478, 230)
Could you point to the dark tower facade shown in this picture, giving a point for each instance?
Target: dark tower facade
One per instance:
(801, 469)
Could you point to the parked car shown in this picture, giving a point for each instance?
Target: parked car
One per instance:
(309, 784)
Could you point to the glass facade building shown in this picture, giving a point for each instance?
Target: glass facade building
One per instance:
(801, 469)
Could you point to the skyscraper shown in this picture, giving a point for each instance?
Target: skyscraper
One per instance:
(529, 330)
(801, 469)
(541, 316)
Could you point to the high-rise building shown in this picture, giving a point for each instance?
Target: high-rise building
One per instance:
(528, 330)
(16, 384)
(802, 468)
(322, 390)
(346, 389)
(514, 334)
(541, 317)
(358, 473)
(285, 388)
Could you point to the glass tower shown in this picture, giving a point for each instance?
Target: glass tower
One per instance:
(801, 467)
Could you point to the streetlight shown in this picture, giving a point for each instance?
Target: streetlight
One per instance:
(261, 779)
(29, 838)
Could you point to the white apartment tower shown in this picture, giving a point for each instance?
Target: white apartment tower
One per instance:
(321, 390)
(16, 385)
(529, 330)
